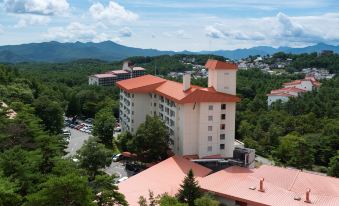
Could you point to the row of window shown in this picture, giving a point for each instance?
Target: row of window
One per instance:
(210, 148)
(222, 117)
(222, 127)
(222, 107)
(222, 137)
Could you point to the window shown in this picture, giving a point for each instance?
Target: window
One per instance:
(209, 149)
(222, 146)
(222, 126)
(210, 118)
(226, 73)
(210, 107)
(132, 104)
(210, 138)
(223, 106)
(222, 136)
(223, 116)
(209, 128)
(172, 123)
(155, 104)
(132, 95)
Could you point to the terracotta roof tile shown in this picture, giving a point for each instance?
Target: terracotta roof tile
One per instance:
(215, 64)
(174, 90)
(164, 177)
(281, 186)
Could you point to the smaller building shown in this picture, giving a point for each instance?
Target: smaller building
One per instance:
(10, 113)
(111, 77)
(293, 89)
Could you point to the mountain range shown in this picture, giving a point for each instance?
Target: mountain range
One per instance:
(109, 51)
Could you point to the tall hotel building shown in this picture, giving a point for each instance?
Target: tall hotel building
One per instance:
(201, 121)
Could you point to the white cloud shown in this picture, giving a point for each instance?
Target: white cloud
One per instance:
(280, 30)
(1, 29)
(113, 13)
(125, 32)
(31, 19)
(38, 7)
(179, 34)
(76, 31)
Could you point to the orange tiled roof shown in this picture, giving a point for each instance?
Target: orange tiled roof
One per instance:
(215, 64)
(174, 90)
(282, 94)
(281, 186)
(164, 177)
(288, 89)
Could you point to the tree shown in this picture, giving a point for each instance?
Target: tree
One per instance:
(206, 200)
(124, 141)
(107, 192)
(50, 112)
(151, 142)
(189, 190)
(8, 195)
(167, 200)
(104, 126)
(333, 169)
(295, 151)
(69, 190)
(94, 156)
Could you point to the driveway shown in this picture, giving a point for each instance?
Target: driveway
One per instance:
(78, 138)
(76, 141)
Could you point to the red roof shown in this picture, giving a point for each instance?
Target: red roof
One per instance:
(281, 94)
(281, 186)
(119, 72)
(295, 82)
(215, 64)
(174, 90)
(164, 177)
(107, 75)
(288, 89)
(138, 69)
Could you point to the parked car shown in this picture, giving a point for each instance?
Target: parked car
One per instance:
(72, 126)
(89, 120)
(122, 179)
(117, 158)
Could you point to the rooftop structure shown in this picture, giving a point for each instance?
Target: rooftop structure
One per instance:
(270, 185)
(164, 177)
(201, 121)
(10, 113)
(111, 77)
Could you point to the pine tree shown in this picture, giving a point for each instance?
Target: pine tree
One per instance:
(190, 190)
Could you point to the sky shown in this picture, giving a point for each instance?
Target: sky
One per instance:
(177, 25)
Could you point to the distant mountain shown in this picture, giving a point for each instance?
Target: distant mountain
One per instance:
(110, 51)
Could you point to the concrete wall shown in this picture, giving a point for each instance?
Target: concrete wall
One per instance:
(272, 99)
(93, 80)
(140, 108)
(223, 80)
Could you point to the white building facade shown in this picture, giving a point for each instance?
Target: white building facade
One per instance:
(201, 121)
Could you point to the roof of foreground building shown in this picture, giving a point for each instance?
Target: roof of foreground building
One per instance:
(283, 186)
(174, 90)
(164, 177)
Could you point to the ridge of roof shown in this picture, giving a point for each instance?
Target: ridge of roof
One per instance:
(174, 90)
(216, 65)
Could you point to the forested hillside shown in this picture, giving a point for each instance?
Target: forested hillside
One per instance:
(33, 169)
(302, 133)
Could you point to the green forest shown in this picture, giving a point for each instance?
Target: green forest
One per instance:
(301, 133)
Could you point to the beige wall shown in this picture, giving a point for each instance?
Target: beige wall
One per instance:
(223, 80)
(92, 80)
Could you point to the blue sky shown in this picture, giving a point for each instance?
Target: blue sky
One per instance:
(172, 24)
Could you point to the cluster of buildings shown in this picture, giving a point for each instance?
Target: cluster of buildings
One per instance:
(262, 64)
(318, 74)
(10, 113)
(201, 122)
(111, 77)
(293, 89)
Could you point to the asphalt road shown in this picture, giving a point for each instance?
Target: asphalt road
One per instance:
(76, 141)
(78, 138)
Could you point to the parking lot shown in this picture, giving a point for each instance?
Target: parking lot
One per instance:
(77, 139)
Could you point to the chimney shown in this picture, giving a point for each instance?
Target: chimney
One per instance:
(186, 82)
(308, 191)
(261, 187)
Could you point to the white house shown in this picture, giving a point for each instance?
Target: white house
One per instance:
(201, 121)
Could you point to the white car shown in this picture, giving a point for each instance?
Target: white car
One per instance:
(122, 179)
(116, 158)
